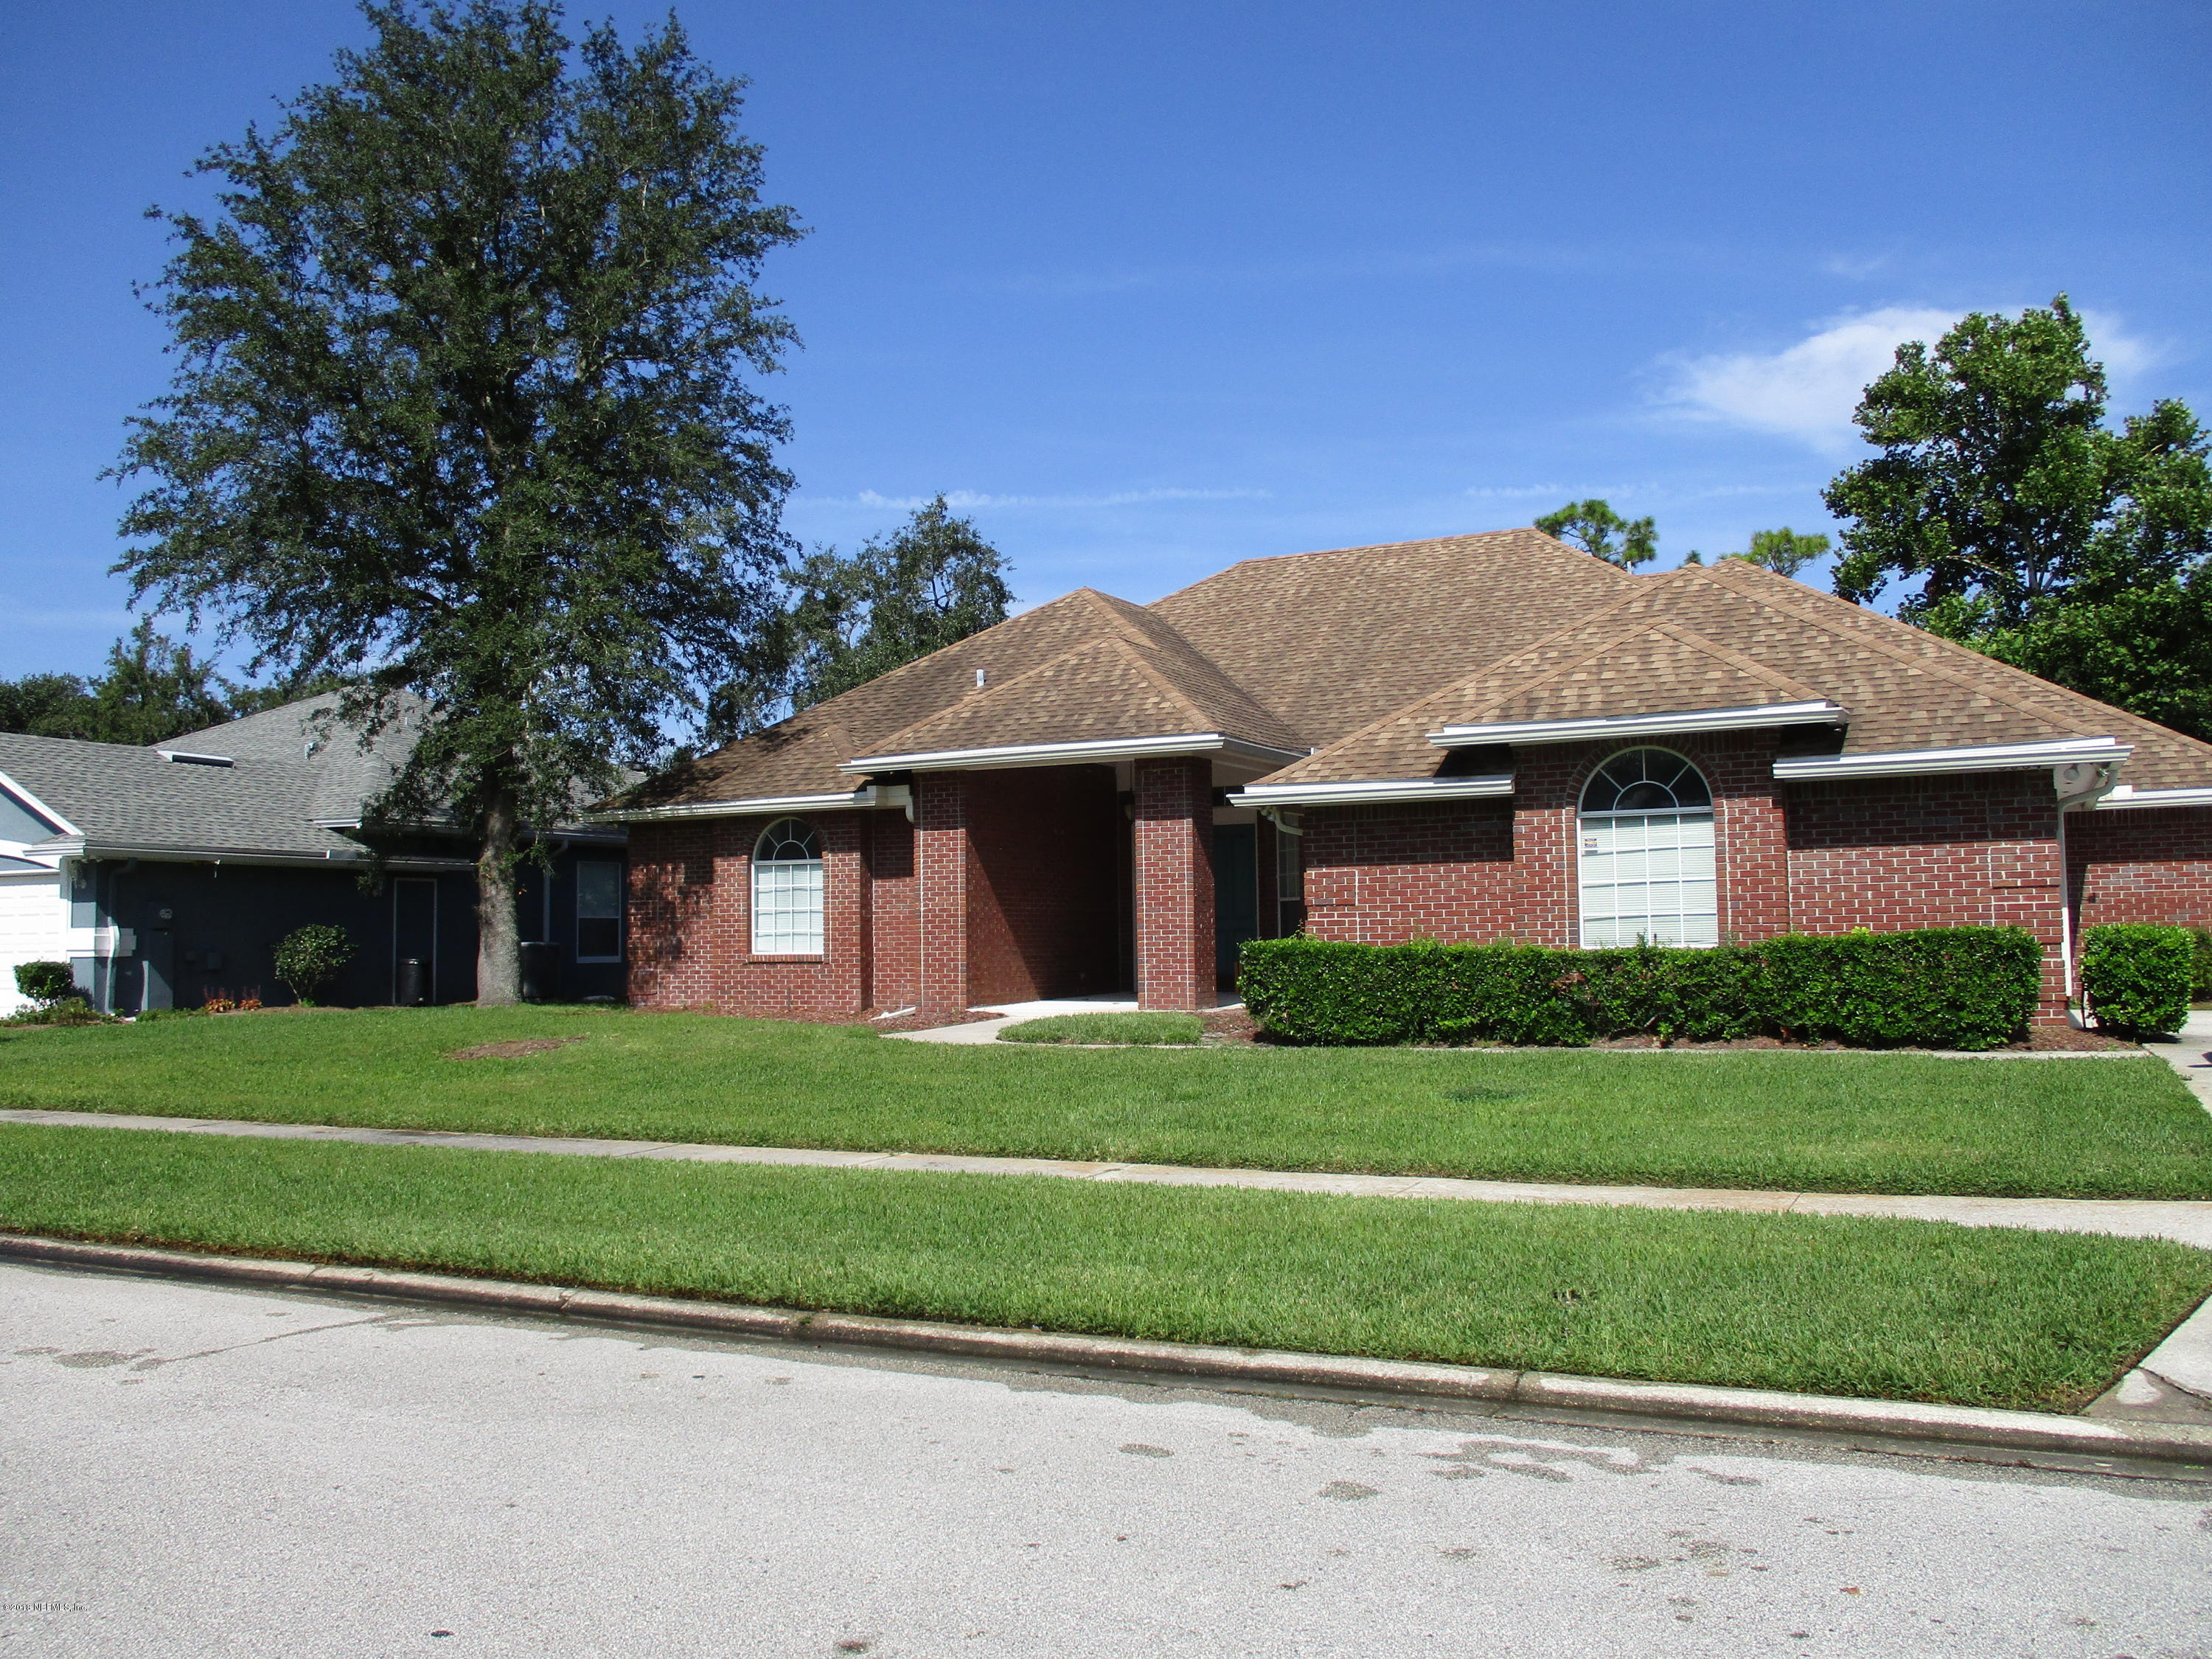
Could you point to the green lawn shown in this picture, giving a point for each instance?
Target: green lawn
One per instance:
(1834, 1122)
(1139, 1028)
(1899, 1310)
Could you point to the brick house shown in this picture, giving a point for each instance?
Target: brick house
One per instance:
(1478, 738)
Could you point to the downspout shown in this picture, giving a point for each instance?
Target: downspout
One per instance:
(2088, 783)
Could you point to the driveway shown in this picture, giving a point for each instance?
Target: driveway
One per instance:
(200, 1471)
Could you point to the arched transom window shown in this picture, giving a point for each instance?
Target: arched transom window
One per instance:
(1646, 846)
(787, 891)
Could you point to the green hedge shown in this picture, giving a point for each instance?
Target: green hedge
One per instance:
(2136, 976)
(1939, 987)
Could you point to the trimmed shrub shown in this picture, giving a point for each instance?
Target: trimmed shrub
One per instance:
(2200, 972)
(2136, 976)
(45, 982)
(308, 959)
(1944, 987)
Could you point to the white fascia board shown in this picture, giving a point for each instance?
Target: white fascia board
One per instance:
(80, 847)
(1493, 787)
(1090, 750)
(37, 805)
(1631, 726)
(750, 806)
(2127, 795)
(1915, 763)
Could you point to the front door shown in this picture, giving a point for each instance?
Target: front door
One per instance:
(1236, 895)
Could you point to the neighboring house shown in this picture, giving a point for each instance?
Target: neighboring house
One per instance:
(165, 875)
(1479, 738)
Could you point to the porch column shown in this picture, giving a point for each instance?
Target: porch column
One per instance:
(1174, 858)
(940, 867)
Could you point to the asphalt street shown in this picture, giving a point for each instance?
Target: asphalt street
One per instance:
(193, 1470)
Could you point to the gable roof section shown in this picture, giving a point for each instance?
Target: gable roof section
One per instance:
(1113, 689)
(120, 796)
(1334, 641)
(800, 757)
(1903, 689)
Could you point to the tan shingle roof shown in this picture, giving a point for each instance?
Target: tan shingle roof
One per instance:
(1903, 689)
(1366, 650)
(1333, 641)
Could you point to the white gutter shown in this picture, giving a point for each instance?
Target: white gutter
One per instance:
(80, 847)
(872, 795)
(37, 805)
(1917, 762)
(2127, 795)
(1689, 722)
(1094, 749)
(1493, 788)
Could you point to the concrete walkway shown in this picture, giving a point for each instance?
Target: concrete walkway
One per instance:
(2188, 1222)
(2190, 1054)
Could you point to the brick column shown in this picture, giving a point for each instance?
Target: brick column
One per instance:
(940, 865)
(1175, 883)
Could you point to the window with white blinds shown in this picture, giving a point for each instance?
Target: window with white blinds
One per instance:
(787, 891)
(1645, 854)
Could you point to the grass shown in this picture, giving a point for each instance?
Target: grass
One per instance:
(1828, 1123)
(1136, 1030)
(1896, 1310)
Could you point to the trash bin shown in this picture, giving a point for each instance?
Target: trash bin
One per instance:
(414, 988)
(539, 972)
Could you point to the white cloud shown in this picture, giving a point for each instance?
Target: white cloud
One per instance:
(1807, 390)
(975, 498)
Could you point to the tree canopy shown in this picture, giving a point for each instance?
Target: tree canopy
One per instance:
(845, 620)
(2035, 530)
(1783, 551)
(465, 406)
(152, 690)
(1594, 528)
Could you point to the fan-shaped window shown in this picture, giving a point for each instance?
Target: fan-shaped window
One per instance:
(1647, 853)
(787, 891)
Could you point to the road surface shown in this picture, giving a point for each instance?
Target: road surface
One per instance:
(193, 1470)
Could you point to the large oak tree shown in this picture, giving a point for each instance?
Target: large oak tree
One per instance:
(465, 408)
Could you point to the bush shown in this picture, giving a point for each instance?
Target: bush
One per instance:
(1958, 987)
(2136, 976)
(45, 982)
(309, 958)
(2200, 972)
(66, 1011)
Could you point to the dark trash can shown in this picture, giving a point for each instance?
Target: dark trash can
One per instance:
(413, 989)
(540, 973)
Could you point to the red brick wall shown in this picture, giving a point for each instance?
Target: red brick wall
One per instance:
(1384, 874)
(691, 941)
(894, 911)
(940, 859)
(1889, 853)
(1475, 871)
(1042, 844)
(1174, 856)
(2141, 863)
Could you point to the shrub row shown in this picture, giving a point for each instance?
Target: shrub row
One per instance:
(2137, 976)
(1943, 987)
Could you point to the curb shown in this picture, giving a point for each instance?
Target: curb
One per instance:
(1402, 1381)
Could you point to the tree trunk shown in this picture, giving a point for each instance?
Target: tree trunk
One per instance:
(499, 953)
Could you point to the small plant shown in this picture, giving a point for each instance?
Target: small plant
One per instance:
(68, 1010)
(215, 1002)
(250, 1003)
(45, 982)
(308, 959)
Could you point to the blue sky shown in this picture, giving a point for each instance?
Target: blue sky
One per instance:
(1151, 288)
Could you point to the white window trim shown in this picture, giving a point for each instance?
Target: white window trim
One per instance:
(1708, 813)
(819, 933)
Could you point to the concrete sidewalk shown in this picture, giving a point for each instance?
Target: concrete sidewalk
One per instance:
(2189, 1221)
(2190, 1054)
